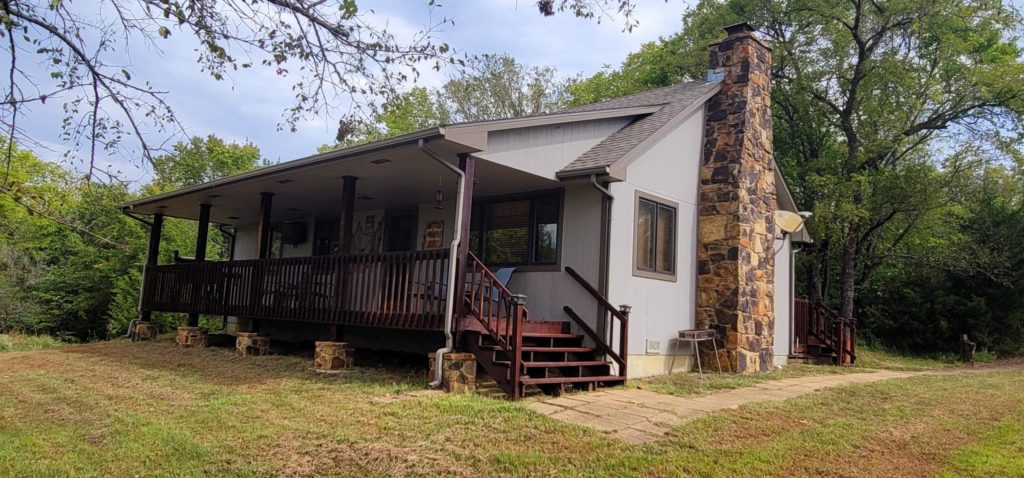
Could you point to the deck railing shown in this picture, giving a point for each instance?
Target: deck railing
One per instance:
(501, 313)
(401, 290)
(812, 319)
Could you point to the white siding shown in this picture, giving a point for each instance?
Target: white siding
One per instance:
(670, 170)
(544, 150)
(245, 242)
(783, 298)
(548, 291)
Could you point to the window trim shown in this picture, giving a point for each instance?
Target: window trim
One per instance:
(654, 274)
(530, 196)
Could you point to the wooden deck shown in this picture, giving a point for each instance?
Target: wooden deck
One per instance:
(398, 290)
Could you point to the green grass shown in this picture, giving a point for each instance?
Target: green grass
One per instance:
(151, 409)
(878, 358)
(17, 342)
(688, 384)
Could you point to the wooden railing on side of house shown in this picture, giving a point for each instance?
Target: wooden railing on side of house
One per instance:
(399, 290)
(610, 313)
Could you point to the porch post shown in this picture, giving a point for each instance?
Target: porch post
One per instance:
(468, 166)
(152, 258)
(263, 225)
(262, 248)
(348, 209)
(201, 238)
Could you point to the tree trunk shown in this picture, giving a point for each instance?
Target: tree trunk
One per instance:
(848, 281)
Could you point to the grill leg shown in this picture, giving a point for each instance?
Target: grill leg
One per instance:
(718, 358)
(696, 353)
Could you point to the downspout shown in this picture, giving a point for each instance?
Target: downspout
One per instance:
(449, 312)
(604, 261)
(127, 211)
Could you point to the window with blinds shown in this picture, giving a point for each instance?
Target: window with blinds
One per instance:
(655, 238)
(517, 232)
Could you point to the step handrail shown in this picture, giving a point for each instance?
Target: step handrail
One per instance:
(618, 313)
(500, 312)
(836, 332)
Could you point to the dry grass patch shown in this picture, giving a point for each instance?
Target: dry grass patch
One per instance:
(122, 409)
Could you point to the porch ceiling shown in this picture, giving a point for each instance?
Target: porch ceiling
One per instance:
(399, 176)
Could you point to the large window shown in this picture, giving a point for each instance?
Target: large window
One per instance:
(520, 232)
(655, 238)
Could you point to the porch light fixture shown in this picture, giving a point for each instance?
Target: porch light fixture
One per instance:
(380, 161)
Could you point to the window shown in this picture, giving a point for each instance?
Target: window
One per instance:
(520, 232)
(655, 238)
(325, 237)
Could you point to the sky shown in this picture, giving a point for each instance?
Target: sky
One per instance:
(249, 105)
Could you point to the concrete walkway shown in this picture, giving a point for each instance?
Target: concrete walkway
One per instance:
(641, 416)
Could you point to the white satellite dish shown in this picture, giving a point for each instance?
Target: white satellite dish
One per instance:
(788, 221)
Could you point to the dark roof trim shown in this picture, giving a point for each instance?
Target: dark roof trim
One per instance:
(618, 167)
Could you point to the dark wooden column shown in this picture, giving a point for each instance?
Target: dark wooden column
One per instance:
(263, 226)
(202, 237)
(152, 258)
(348, 210)
(263, 238)
(468, 166)
(345, 226)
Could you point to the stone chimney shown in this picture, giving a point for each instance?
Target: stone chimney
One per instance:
(735, 260)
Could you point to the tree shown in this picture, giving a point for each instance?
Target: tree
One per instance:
(866, 95)
(490, 87)
(336, 54)
(200, 160)
(497, 86)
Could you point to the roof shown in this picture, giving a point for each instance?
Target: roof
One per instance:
(622, 145)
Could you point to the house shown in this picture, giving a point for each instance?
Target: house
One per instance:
(625, 221)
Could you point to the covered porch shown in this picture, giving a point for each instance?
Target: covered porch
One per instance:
(362, 237)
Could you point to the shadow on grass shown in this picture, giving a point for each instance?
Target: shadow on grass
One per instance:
(220, 366)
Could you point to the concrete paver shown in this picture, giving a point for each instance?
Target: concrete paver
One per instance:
(641, 416)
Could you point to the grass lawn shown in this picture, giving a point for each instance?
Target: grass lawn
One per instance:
(16, 342)
(122, 409)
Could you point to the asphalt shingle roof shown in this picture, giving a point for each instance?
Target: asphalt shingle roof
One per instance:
(675, 99)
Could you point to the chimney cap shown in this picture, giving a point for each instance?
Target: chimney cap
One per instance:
(739, 28)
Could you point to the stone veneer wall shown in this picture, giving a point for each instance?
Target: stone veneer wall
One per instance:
(735, 264)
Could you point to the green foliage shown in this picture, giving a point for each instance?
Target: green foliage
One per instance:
(20, 342)
(490, 87)
(885, 116)
(70, 261)
(200, 160)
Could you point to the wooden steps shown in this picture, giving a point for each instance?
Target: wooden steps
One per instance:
(553, 380)
(553, 359)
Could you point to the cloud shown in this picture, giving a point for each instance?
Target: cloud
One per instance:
(249, 103)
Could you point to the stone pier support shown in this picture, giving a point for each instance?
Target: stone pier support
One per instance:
(458, 374)
(251, 344)
(143, 331)
(190, 337)
(333, 356)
